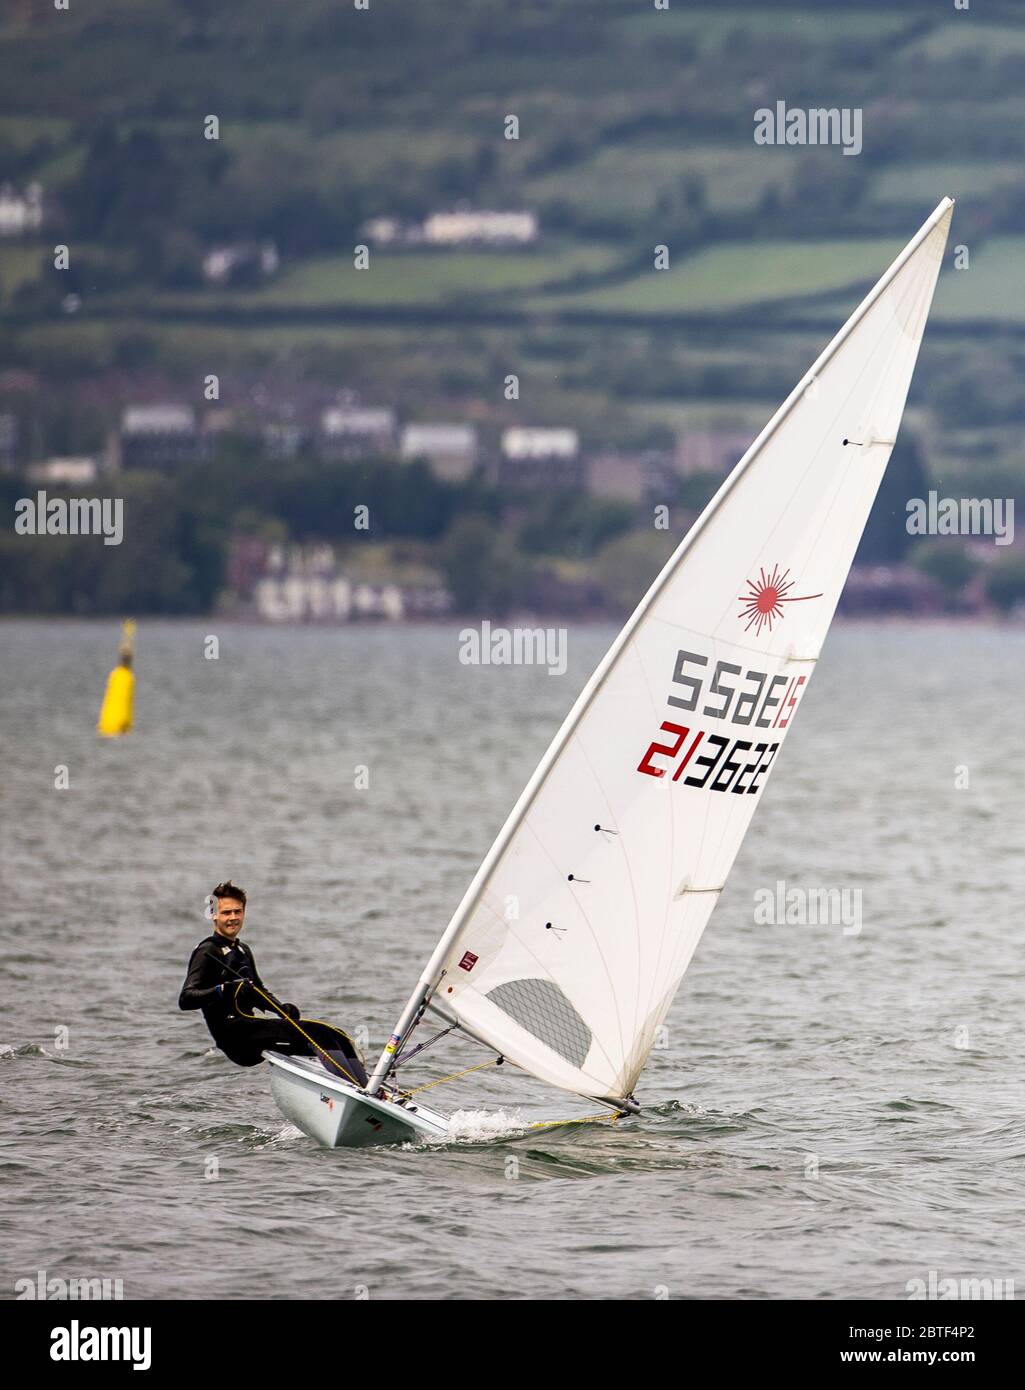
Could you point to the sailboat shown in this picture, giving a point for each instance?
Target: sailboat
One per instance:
(618, 849)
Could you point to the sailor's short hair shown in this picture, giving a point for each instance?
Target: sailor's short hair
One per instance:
(227, 889)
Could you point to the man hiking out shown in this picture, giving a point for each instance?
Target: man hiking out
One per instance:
(224, 982)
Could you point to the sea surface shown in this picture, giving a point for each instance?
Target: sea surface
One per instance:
(835, 1114)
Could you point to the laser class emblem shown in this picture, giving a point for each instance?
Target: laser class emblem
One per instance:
(763, 603)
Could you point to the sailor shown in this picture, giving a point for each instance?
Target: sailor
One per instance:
(224, 982)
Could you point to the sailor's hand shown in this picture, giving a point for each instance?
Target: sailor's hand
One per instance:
(292, 1010)
(240, 994)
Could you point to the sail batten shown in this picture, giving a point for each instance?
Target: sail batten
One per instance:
(569, 945)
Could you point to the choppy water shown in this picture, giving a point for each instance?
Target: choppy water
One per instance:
(834, 1114)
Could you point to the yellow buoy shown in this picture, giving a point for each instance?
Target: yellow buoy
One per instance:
(119, 696)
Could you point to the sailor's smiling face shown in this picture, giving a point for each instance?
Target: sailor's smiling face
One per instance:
(229, 917)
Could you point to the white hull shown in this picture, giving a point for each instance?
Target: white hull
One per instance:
(338, 1115)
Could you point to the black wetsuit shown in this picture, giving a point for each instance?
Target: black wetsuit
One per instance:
(217, 961)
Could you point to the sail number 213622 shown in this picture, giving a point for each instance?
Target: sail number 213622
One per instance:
(758, 701)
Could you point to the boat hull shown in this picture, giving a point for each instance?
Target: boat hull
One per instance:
(337, 1115)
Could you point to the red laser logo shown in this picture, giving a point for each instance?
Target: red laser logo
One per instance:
(763, 604)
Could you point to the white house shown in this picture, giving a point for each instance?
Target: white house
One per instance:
(64, 470)
(157, 436)
(356, 432)
(492, 228)
(158, 419)
(450, 450)
(540, 458)
(20, 213)
(222, 263)
(533, 443)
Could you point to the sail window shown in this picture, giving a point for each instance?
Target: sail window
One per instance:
(540, 1007)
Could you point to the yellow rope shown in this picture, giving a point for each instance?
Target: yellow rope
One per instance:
(442, 1079)
(281, 1014)
(428, 1085)
(577, 1120)
(539, 1124)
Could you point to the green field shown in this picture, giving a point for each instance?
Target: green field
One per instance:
(626, 181)
(992, 287)
(735, 276)
(960, 40)
(989, 290)
(711, 28)
(19, 265)
(21, 132)
(922, 184)
(635, 129)
(421, 279)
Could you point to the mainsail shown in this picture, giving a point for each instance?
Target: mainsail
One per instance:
(571, 941)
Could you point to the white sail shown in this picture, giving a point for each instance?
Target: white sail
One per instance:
(572, 939)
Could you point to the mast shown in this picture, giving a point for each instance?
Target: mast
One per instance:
(410, 1014)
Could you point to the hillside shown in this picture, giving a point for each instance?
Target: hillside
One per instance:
(635, 130)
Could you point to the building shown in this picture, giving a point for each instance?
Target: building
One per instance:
(460, 227)
(389, 231)
(464, 227)
(221, 419)
(353, 432)
(67, 471)
(20, 214)
(710, 451)
(159, 436)
(284, 440)
(449, 450)
(313, 598)
(244, 262)
(540, 458)
(891, 589)
(629, 477)
(303, 584)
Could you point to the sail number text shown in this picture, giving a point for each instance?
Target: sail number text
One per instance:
(756, 697)
(726, 779)
(758, 701)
